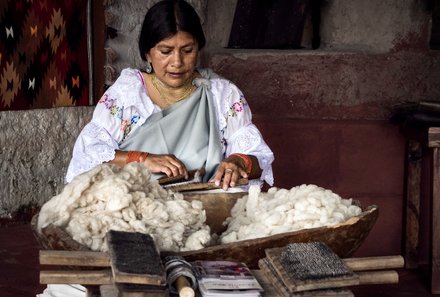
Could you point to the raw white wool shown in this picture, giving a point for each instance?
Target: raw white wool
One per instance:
(109, 197)
(280, 210)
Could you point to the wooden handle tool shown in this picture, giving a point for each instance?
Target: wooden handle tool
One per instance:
(374, 263)
(184, 287)
(378, 277)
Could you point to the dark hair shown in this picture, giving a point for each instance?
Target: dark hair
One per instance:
(165, 19)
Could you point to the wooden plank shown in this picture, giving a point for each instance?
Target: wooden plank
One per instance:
(435, 222)
(74, 258)
(114, 291)
(434, 137)
(83, 277)
(412, 210)
(269, 290)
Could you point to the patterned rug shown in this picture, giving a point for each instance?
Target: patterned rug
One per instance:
(43, 54)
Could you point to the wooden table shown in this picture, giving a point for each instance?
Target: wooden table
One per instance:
(422, 140)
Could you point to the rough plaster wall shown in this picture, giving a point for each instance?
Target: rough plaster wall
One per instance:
(373, 26)
(323, 85)
(35, 149)
(124, 46)
(367, 26)
(219, 24)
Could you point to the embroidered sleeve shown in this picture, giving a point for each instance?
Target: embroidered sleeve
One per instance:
(240, 135)
(115, 116)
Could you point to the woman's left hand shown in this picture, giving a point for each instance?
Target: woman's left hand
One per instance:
(229, 171)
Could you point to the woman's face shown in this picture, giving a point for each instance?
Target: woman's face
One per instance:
(174, 59)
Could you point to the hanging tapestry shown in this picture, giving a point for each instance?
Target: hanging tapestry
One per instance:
(43, 54)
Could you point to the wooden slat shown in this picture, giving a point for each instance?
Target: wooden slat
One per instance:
(74, 258)
(434, 137)
(413, 184)
(435, 219)
(83, 277)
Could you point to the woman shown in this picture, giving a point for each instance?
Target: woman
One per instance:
(174, 117)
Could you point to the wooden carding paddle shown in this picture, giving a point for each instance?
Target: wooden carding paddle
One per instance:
(359, 263)
(194, 186)
(193, 176)
(271, 275)
(136, 267)
(135, 258)
(194, 182)
(310, 266)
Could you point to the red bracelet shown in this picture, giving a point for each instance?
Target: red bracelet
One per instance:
(247, 162)
(135, 156)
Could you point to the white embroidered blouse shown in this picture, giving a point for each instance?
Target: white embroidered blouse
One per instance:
(125, 106)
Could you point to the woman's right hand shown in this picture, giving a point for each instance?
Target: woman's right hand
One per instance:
(167, 164)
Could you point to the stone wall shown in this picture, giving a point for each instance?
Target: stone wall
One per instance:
(35, 149)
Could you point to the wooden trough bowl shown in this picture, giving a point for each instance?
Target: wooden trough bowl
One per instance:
(344, 239)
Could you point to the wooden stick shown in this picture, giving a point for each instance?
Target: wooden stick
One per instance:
(184, 288)
(378, 277)
(74, 258)
(374, 263)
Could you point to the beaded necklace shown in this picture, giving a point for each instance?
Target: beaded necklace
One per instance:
(172, 95)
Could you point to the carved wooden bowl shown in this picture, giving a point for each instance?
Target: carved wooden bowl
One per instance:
(344, 239)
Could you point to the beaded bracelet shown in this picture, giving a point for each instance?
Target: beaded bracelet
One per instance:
(247, 162)
(135, 156)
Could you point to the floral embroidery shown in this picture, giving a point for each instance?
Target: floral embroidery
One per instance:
(135, 119)
(117, 111)
(237, 107)
(108, 102)
(127, 131)
(124, 125)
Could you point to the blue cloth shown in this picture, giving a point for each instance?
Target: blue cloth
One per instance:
(187, 129)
